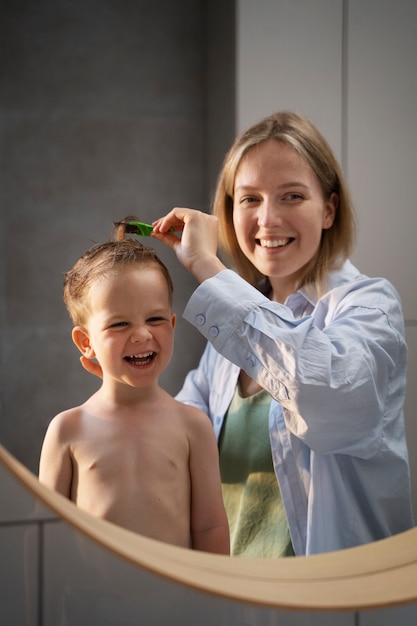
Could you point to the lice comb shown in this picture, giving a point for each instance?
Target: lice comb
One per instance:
(136, 228)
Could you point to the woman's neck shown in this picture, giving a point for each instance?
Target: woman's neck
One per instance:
(280, 290)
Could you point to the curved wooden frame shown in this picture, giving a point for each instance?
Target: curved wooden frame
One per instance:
(377, 575)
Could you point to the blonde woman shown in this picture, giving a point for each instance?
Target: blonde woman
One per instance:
(304, 373)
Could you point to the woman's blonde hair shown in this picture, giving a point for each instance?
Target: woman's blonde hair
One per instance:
(297, 132)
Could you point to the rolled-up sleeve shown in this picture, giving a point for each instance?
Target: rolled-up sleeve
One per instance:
(334, 371)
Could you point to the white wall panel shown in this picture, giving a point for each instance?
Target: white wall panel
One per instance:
(351, 66)
(382, 139)
(289, 56)
(382, 164)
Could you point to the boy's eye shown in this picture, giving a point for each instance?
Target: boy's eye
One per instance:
(155, 320)
(118, 324)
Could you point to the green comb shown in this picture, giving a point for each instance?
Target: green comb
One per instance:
(138, 228)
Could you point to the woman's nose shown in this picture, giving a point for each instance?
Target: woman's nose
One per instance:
(269, 214)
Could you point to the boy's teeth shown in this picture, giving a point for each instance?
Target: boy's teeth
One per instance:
(275, 243)
(140, 359)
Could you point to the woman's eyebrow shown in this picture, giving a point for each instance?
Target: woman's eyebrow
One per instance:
(294, 183)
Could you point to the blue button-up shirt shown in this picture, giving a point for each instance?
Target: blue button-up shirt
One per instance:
(335, 367)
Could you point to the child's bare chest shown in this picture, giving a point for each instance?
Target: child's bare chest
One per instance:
(124, 452)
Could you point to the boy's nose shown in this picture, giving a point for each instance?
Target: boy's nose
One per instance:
(140, 335)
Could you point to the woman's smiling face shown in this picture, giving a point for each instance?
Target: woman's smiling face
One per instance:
(279, 213)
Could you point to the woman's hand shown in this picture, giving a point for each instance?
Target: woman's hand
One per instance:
(196, 249)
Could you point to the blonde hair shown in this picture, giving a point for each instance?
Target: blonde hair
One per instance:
(103, 259)
(300, 134)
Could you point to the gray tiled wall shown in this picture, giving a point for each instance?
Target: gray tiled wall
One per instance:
(103, 114)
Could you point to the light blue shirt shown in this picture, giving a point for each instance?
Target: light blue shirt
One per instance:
(335, 367)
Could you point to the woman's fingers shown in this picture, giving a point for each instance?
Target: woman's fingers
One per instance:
(196, 249)
(176, 219)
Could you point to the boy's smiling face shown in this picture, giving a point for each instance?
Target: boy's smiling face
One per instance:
(130, 329)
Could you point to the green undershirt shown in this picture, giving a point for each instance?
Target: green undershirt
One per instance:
(257, 519)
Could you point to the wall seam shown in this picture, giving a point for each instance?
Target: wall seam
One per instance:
(344, 86)
(40, 572)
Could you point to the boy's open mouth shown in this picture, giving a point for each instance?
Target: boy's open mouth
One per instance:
(141, 359)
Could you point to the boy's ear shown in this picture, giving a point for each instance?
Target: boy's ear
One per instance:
(173, 321)
(82, 341)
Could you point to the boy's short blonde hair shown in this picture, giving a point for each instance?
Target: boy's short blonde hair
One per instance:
(102, 259)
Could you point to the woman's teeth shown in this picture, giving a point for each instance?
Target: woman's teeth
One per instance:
(273, 243)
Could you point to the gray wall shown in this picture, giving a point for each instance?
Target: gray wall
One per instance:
(107, 109)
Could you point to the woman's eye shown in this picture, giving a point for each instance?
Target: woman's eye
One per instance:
(248, 200)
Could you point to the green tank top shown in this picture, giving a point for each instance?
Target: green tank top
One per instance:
(252, 498)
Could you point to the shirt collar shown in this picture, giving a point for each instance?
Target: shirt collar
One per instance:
(346, 273)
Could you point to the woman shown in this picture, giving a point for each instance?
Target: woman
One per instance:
(304, 373)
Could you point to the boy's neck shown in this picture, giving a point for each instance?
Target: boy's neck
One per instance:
(121, 396)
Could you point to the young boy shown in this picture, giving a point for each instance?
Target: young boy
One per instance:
(132, 454)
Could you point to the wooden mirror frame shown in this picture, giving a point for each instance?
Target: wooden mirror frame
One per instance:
(377, 575)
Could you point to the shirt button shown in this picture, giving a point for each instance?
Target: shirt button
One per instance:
(200, 319)
(213, 331)
(250, 361)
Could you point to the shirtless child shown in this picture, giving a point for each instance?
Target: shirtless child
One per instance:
(131, 453)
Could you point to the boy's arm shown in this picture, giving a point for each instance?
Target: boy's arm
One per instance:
(209, 525)
(55, 466)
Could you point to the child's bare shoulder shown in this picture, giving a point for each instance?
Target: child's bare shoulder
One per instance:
(66, 423)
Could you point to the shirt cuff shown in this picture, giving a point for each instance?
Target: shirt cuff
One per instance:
(219, 305)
